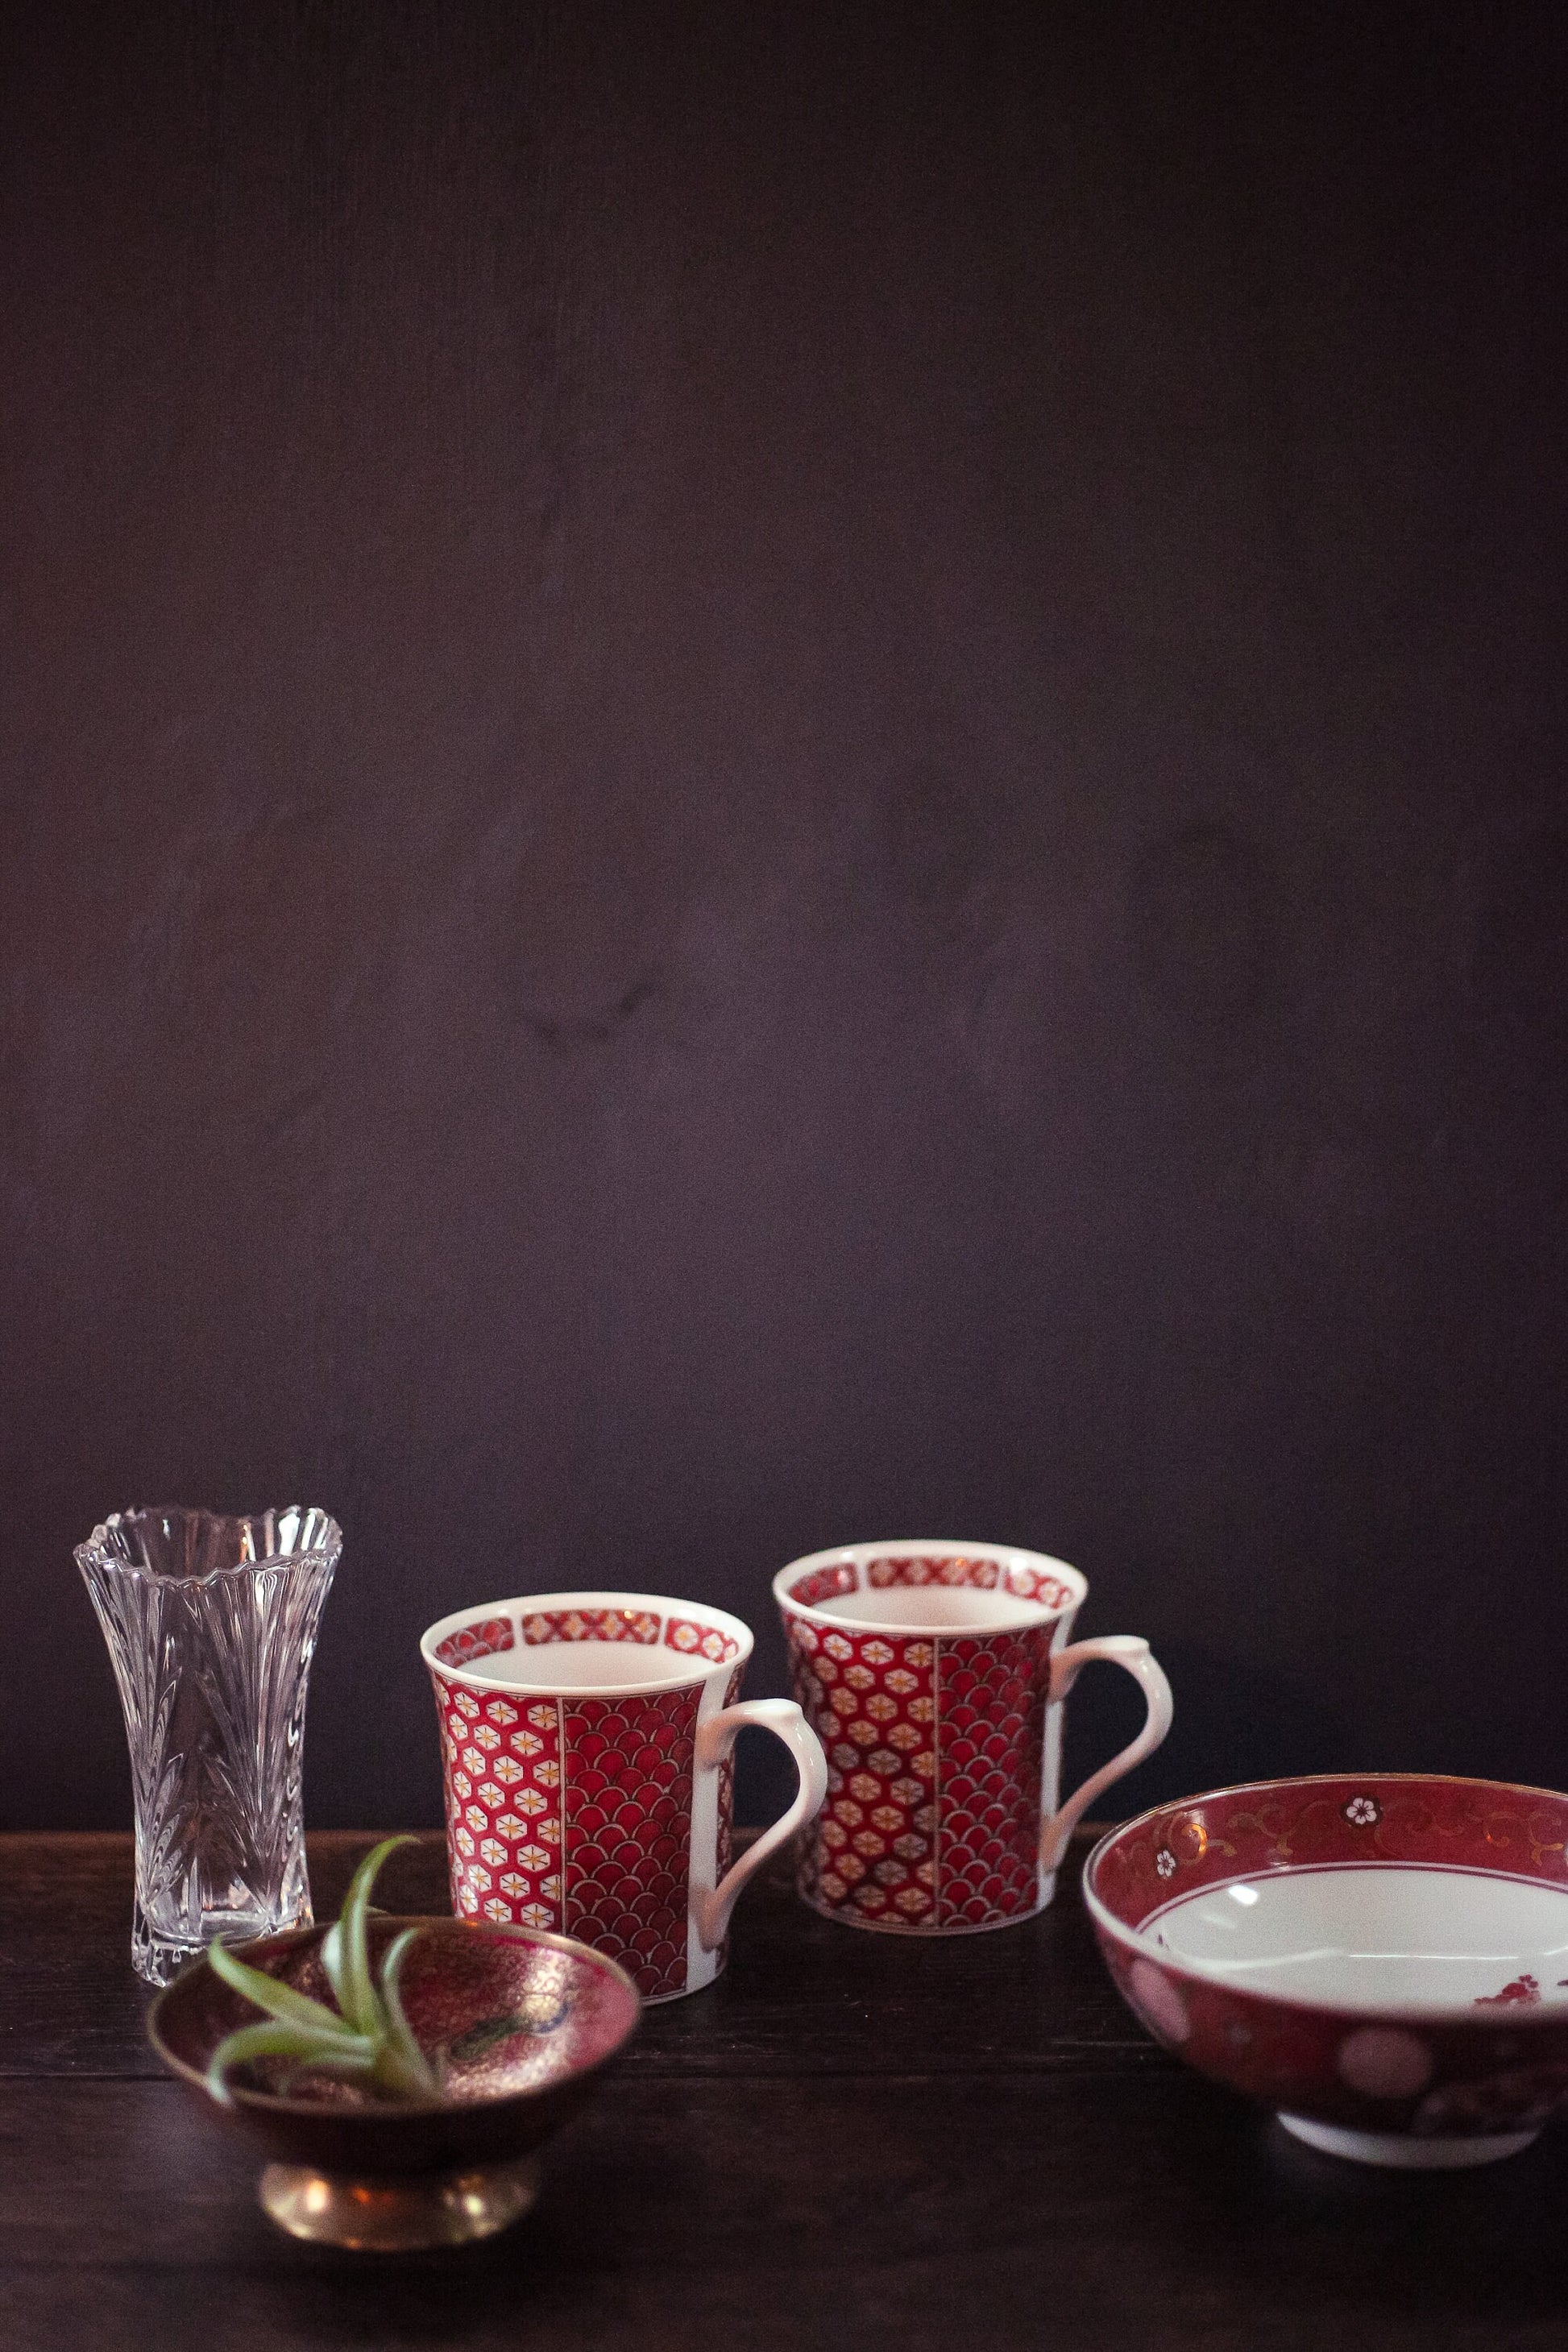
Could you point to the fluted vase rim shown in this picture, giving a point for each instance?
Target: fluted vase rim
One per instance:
(98, 1551)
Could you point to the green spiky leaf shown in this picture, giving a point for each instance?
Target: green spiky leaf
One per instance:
(367, 2037)
(351, 2052)
(279, 1999)
(354, 1986)
(401, 2062)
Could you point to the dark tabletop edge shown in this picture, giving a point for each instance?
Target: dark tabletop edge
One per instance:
(1121, 2061)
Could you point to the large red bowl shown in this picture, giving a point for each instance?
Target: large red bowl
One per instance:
(1382, 1958)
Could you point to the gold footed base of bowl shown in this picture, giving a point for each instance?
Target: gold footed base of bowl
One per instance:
(391, 2216)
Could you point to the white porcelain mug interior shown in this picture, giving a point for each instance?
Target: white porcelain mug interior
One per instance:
(935, 1674)
(587, 1744)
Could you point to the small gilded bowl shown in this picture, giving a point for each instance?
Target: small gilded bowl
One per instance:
(1382, 1958)
(521, 2024)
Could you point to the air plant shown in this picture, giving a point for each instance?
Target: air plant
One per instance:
(367, 2038)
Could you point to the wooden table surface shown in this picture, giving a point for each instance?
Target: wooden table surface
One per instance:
(851, 2141)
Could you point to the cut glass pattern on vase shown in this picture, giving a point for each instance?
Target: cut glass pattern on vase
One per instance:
(211, 1624)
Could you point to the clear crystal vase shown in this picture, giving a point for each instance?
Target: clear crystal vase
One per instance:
(211, 1624)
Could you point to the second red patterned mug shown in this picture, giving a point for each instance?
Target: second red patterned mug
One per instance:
(588, 1743)
(935, 1674)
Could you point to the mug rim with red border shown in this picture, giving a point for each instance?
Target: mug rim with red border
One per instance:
(736, 1638)
(1072, 1585)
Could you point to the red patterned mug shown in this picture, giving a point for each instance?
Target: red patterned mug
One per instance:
(935, 1674)
(587, 1741)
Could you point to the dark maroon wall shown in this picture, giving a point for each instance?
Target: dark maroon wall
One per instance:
(774, 774)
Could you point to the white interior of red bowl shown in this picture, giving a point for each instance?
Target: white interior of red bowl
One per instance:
(1389, 1894)
(1368, 1937)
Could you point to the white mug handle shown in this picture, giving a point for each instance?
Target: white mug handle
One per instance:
(711, 1905)
(1133, 1653)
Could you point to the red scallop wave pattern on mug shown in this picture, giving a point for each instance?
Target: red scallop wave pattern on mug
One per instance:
(628, 1775)
(991, 1703)
(724, 1848)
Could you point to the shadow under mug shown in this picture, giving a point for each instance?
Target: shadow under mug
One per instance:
(587, 1747)
(935, 1674)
